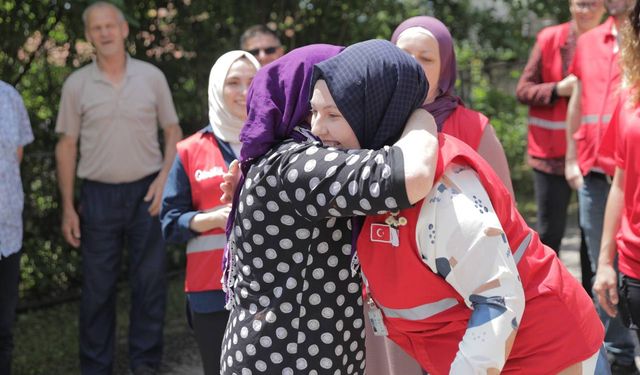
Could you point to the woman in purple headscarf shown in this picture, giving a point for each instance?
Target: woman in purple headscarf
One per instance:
(296, 305)
(428, 40)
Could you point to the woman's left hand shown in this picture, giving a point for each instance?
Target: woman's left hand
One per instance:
(230, 183)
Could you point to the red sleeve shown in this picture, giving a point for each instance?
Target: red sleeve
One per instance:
(531, 89)
(610, 145)
(620, 141)
(574, 67)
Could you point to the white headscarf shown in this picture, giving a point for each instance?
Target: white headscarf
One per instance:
(225, 125)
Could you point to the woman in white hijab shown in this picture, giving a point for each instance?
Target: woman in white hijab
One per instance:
(191, 209)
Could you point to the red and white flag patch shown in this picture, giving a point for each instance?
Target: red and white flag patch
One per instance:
(380, 233)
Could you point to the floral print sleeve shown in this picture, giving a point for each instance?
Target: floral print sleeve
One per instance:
(474, 257)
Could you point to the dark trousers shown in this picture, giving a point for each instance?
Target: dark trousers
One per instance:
(209, 330)
(114, 216)
(552, 199)
(9, 277)
(629, 303)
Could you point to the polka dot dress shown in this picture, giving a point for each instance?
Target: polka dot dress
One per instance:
(297, 306)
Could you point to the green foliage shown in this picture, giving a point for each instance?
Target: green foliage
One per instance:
(43, 42)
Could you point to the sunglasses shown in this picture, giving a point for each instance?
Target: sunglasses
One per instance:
(586, 5)
(267, 51)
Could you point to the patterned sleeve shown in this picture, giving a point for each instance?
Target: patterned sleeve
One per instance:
(323, 182)
(24, 125)
(473, 256)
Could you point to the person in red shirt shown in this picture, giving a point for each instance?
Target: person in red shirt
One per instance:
(592, 102)
(429, 41)
(621, 231)
(545, 86)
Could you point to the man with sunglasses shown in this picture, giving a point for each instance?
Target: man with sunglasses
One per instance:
(263, 43)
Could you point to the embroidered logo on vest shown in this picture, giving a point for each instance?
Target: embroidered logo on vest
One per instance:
(213, 172)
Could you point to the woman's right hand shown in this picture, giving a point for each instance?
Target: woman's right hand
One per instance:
(205, 221)
(606, 288)
(573, 174)
(231, 179)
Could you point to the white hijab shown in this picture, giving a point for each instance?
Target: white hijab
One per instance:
(225, 125)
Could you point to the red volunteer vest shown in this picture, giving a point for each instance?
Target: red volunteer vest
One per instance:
(597, 67)
(204, 164)
(546, 137)
(467, 125)
(559, 326)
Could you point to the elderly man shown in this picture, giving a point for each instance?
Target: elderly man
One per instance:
(263, 43)
(113, 108)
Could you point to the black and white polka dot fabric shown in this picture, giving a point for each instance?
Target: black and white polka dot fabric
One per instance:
(297, 306)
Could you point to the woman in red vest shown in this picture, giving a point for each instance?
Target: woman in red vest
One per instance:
(428, 40)
(621, 231)
(191, 209)
(545, 86)
(458, 280)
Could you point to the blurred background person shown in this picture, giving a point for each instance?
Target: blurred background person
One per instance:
(429, 41)
(263, 43)
(545, 86)
(15, 133)
(191, 209)
(594, 97)
(620, 234)
(113, 107)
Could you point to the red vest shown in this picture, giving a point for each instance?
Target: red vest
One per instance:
(467, 125)
(559, 326)
(546, 138)
(204, 165)
(597, 67)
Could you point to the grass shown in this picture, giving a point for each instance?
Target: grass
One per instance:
(46, 340)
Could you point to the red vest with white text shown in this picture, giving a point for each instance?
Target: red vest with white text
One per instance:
(546, 137)
(204, 164)
(467, 125)
(559, 326)
(596, 65)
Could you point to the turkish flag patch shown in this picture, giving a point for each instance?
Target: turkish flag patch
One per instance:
(380, 233)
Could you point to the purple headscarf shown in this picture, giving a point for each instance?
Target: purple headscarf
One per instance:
(446, 101)
(278, 100)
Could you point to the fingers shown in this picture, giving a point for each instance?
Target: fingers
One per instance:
(227, 192)
(613, 295)
(608, 306)
(234, 166)
(154, 207)
(71, 238)
(575, 182)
(230, 179)
(607, 296)
(71, 229)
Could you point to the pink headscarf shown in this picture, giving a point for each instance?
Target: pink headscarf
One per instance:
(446, 101)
